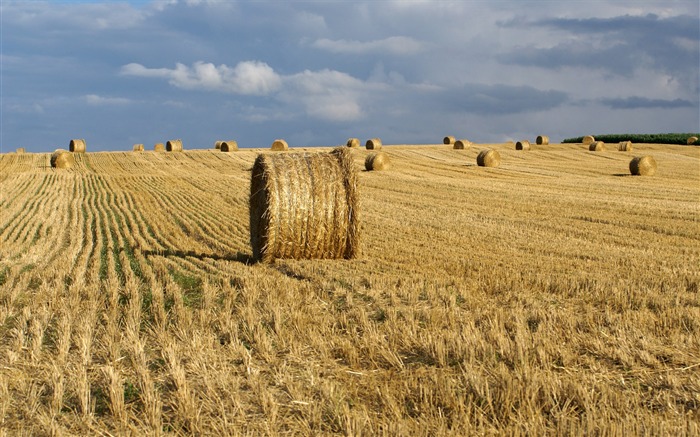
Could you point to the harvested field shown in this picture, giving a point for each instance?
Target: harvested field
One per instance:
(554, 294)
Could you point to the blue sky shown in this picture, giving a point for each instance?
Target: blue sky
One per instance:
(318, 72)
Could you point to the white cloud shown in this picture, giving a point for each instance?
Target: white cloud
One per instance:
(396, 45)
(94, 99)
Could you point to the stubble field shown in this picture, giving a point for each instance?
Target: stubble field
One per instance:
(554, 294)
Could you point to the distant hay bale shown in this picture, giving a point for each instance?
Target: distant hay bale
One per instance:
(692, 140)
(159, 147)
(304, 206)
(461, 144)
(643, 166)
(377, 161)
(523, 145)
(373, 144)
(353, 142)
(138, 148)
(448, 140)
(20, 150)
(173, 146)
(588, 139)
(597, 146)
(77, 146)
(217, 145)
(488, 158)
(62, 158)
(625, 146)
(542, 140)
(229, 146)
(280, 145)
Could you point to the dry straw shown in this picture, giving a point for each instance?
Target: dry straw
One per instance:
(373, 144)
(643, 166)
(461, 144)
(20, 150)
(377, 161)
(138, 148)
(523, 145)
(173, 146)
(229, 146)
(304, 206)
(692, 140)
(596, 146)
(625, 146)
(62, 158)
(353, 142)
(217, 145)
(159, 147)
(77, 146)
(488, 158)
(280, 145)
(448, 140)
(542, 140)
(588, 139)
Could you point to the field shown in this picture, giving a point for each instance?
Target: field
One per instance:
(555, 294)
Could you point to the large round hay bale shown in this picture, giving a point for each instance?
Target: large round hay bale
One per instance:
(448, 140)
(523, 145)
(692, 140)
(373, 144)
(377, 161)
(217, 145)
(173, 146)
(488, 158)
(596, 146)
(304, 205)
(62, 158)
(461, 144)
(625, 146)
(20, 150)
(229, 146)
(159, 147)
(138, 148)
(588, 139)
(77, 146)
(542, 140)
(643, 166)
(280, 145)
(353, 142)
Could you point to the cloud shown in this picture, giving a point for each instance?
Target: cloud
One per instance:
(504, 99)
(94, 99)
(396, 45)
(642, 102)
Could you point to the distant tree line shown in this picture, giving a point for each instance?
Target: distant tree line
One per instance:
(678, 138)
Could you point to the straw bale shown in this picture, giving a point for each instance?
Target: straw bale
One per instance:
(448, 140)
(461, 144)
(77, 146)
(588, 139)
(62, 158)
(597, 146)
(304, 206)
(377, 161)
(373, 144)
(488, 158)
(643, 166)
(159, 147)
(173, 146)
(353, 142)
(280, 145)
(542, 140)
(625, 146)
(692, 140)
(523, 145)
(138, 148)
(229, 146)
(20, 150)
(217, 145)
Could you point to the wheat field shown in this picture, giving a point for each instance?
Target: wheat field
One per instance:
(553, 295)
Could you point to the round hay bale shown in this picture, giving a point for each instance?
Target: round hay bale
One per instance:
(138, 148)
(448, 140)
(159, 147)
(542, 140)
(461, 144)
(217, 145)
(523, 145)
(77, 146)
(353, 142)
(488, 158)
(373, 144)
(643, 166)
(228, 146)
(377, 161)
(62, 158)
(625, 146)
(692, 140)
(173, 146)
(20, 150)
(280, 145)
(304, 206)
(597, 146)
(588, 139)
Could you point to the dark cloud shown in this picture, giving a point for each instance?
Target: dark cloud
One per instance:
(642, 102)
(502, 99)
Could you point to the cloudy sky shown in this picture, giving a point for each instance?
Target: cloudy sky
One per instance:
(317, 72)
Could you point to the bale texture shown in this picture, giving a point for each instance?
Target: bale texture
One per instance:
(173, 146)
(643, 166)
(159, 147)
(217, 145)
(625, 146)
(488, 158)
(596, 146)
(523, 145)
(692, 140)
(461, 144)
(373, 144)
(588, 139)
(138, 148)
(377, 161)
(280, 145)
(542, 140)
(77, 146)
(304, 206)
(62, 158)
(228, 146)
(20, 150)
(448, 140)
(353, 142)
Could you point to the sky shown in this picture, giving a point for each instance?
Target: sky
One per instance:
(317, 72)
